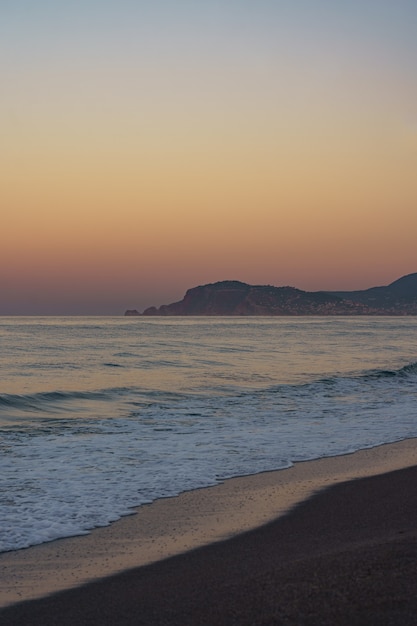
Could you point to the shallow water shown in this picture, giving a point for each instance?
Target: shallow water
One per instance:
(98, 415)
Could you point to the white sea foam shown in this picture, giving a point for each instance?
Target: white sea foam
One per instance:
(74, 460)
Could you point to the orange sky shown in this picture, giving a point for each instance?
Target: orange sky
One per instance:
(145, 150)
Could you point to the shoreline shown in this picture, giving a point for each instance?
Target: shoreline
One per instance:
(177, 525)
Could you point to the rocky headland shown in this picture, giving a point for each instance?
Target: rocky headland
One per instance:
(232, 297)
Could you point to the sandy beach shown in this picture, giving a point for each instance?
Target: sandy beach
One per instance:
(311, 544)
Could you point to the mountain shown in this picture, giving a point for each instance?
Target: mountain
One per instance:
(232, 297)
(399, 295)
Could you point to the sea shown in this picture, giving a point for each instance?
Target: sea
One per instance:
(99, 415)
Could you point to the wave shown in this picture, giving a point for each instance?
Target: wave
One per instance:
(404, 372)
(407, 371)
(51, 401)
(411, 368)
(45, 402)
(42, 400)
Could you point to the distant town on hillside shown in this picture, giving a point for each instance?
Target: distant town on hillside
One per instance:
(232, 297)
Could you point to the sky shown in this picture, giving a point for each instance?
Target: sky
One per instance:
(149, 147)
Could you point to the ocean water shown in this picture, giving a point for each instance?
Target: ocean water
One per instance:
(99, 415)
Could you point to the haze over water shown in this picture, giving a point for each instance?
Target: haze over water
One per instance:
(98, 415)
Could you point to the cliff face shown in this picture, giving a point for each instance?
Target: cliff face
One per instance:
(232, 297)
(221, 298)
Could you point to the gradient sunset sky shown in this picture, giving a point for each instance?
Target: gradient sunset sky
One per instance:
(148, 147)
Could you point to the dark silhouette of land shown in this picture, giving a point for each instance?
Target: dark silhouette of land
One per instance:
(232, 297)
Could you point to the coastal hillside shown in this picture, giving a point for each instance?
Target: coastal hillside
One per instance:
(400, 295)
(232, 297)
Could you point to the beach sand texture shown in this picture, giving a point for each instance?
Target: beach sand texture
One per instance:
(272, 554)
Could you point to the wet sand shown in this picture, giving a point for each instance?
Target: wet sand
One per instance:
(307, 545)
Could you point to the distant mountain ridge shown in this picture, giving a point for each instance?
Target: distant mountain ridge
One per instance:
(232, 297)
